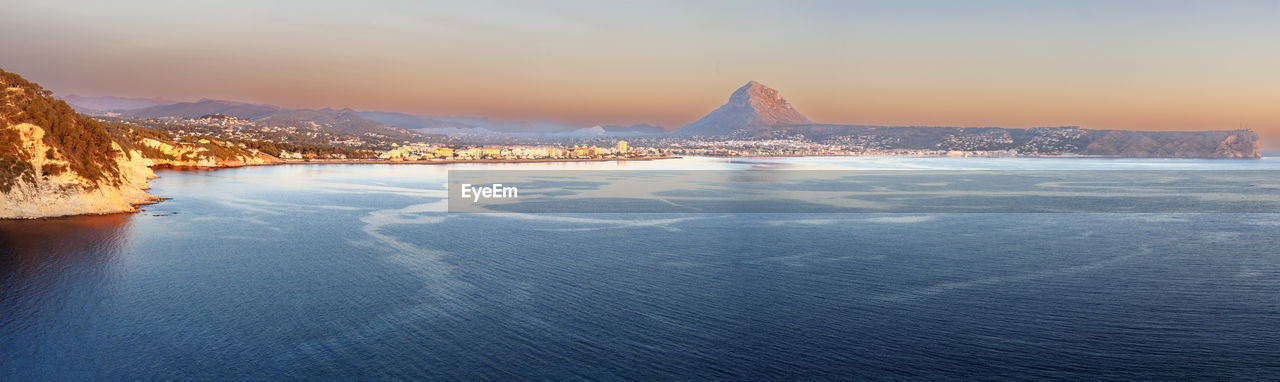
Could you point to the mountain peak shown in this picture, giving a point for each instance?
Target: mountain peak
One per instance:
(762, 98)
(752, 106)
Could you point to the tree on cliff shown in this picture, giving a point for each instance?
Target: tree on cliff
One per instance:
(85, 144)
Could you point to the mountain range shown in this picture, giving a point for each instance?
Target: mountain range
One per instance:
(755, 112)
(102, 105)
(344, 120)
(752, 112)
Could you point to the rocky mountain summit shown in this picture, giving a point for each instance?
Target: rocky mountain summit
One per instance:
(756, 112)
(753, 106)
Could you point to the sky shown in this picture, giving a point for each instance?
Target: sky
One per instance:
(1151, 65)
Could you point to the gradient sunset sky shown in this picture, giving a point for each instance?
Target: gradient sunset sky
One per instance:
(1156, 65)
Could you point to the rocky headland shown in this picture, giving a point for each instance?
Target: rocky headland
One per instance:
(55, 162)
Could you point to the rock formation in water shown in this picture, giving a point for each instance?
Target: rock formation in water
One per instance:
(56, 162)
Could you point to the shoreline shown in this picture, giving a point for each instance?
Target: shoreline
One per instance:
(1047, 156)
(137, 207)
(464, 161)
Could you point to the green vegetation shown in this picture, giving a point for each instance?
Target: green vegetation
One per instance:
(129, 137)
(274, 148)
(270, 139)
(84, 143)
(214, 149)
(14, 167)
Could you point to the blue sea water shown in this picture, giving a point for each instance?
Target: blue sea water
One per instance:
(356, 272)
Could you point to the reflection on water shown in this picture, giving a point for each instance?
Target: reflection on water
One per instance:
(54, 271)
(880, 191)
(323, 272)
(55, 260)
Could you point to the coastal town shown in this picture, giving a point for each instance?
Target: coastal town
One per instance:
(333, 136)
(292, 143)
(442, 153)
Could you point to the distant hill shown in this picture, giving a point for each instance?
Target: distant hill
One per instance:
(416, 122)
(752, 107)
(752, 112)
(346, 121)
(204, 107)
(638, 129)
(755, 112)
(93, 105)
(349, 121)
(1175, 144)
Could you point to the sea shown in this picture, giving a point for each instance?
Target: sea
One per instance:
(363, 272)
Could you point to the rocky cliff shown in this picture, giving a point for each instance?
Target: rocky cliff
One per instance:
(44, 191)
(753, 106)
(55, 162)
(201, 154)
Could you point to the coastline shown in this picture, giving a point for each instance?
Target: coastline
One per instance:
(444, 162)
(1046, 156)
(150, 199)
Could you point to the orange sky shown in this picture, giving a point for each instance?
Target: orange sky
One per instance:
(1134, 65)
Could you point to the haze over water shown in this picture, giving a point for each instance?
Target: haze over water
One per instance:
(354, 271)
